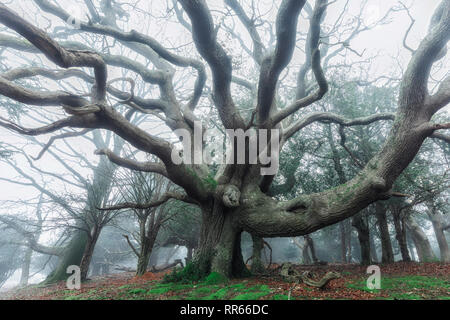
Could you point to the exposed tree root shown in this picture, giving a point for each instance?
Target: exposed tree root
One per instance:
(290, 274)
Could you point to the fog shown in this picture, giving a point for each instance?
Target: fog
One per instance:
(71, 194)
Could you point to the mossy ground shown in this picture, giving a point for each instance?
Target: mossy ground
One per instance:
(398, 281)
(409, 287)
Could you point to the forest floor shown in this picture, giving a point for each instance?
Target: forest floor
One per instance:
(398, 281)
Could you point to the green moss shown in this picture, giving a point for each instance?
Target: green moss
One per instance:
(218, 295)
(166, 287)
(137, 291)
(280, 297)
(238, 286)
(253, 293)
(159, 290)
(210, 182)
(201, 291)
(215, 278)
(190, 273)
(405, 296)
(74, 298)
(250, 296)
(401, 287)
(125, 286)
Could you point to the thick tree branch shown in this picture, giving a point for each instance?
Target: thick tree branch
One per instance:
(273, 65)
(39, 98)
(205, 39)
(413, 91)
(441, 98)
(134, 36)
(441, 136)
(72, 121)
(54, 52)
(313, 61)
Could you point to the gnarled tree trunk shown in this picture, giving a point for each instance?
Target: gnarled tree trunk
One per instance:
(220, 243)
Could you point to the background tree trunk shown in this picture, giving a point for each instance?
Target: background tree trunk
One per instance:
(305, 255)
(257, 264)
(88, 253)
(373, 248)
(72, 256)
(411, 246)
(142, 264)
(343, 242)
(387, 255)
(436, 220)
(421, 242)
(400, 233)
(363, 236)
(312, 249)
(26, 267)
(189, 254)
(154, 257)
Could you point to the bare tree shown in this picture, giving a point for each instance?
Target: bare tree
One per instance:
(84, 223)
(144, 188)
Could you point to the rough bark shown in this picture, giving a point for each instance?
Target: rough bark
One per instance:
(220, 243)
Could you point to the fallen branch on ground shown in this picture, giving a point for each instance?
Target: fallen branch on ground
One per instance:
(289, 274)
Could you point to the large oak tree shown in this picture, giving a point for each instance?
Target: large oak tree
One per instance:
(235, 198)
